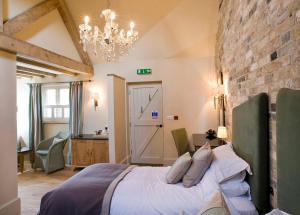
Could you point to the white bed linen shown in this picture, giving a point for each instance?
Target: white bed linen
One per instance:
(241, 206)
(144, 191)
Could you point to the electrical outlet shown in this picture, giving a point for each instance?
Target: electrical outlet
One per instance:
(172, 117)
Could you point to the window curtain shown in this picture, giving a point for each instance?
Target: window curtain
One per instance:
(76, 116)
(35, 122)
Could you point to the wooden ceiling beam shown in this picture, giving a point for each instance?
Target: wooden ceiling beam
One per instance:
(24, 76)
(25, 19)
(73, 31)
(29, 74)
(35, 71)
(1, 15)
(45, 66)
(16, 46)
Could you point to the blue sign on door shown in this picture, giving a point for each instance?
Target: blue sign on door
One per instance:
(154, 114)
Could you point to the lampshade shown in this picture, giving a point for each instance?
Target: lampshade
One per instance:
(222, 132)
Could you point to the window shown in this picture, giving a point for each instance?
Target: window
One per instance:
(56, 106)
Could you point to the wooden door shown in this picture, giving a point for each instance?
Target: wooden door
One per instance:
(82, 150)
(146, 123)
(100, 151)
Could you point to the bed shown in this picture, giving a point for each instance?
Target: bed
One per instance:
(143, 190)
(288, 148)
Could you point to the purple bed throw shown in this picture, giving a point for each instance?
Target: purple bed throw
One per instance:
(85, 192)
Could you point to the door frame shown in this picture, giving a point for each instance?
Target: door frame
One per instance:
(133, 83)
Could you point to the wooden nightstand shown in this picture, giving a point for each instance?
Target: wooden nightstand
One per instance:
(200, 139)
(89, 149)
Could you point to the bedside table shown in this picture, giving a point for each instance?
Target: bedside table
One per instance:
(200, 139)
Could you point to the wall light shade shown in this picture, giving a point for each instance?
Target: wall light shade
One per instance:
(96, 99)
(222, 132)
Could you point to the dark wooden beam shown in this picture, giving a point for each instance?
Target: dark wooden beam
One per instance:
(25, 19)
(45, 66)
(73, 31)
(35, 71)
(16, 46)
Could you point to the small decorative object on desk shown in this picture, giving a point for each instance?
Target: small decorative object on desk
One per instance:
(211, 134)
(98, 132)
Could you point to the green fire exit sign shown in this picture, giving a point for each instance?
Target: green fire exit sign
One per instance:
(144, 71)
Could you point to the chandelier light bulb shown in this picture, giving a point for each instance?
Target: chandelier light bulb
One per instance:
(132, 25)
(86, 20)
(112, 15)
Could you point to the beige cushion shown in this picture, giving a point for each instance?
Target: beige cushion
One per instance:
(217, 206)
(179, 168)
(201, 162)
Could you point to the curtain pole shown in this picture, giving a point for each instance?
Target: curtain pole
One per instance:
(61, 82)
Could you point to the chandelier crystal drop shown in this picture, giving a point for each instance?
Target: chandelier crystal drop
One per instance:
(111, 42)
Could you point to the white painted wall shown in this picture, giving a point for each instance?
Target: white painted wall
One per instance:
(23, 109)
(187, 85)
(9, 201)
(50, 33)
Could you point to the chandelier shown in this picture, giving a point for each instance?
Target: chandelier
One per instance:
(112, 41)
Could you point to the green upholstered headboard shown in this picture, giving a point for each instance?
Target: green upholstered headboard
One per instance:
(250, 138)
(288, 150)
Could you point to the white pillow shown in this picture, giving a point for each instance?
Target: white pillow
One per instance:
(227, 164)
(236, 189)
(238, 178)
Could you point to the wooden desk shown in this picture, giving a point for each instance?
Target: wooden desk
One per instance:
(21, 154)
(89, 149)
(200, 139)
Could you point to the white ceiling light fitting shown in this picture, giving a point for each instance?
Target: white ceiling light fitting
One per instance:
(111, 42)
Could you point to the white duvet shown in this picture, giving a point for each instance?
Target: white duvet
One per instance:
(144, 191)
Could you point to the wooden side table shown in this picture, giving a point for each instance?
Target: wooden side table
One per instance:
(21, 154)
(200, 139)
(89, 149)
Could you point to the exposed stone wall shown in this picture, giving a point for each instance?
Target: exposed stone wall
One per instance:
(258, 50)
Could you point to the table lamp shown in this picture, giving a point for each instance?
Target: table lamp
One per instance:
(222, 133)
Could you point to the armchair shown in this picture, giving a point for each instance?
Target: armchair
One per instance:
(51, 152)
(181, 141)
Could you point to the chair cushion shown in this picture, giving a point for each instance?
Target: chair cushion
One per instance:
(42, 152)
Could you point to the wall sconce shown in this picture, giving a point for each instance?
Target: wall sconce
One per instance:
(220, 102)
(219, 97)
(96, 100)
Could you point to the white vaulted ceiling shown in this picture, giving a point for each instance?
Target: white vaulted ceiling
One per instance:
(167, 28)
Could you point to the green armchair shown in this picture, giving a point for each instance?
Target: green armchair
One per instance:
(51, 152)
